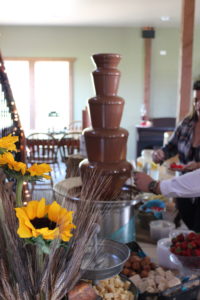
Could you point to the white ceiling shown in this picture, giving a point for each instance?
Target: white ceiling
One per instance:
(92, 12)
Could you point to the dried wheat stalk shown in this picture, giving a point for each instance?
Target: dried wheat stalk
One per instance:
(21, 276)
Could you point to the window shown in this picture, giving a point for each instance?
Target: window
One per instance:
(42, 89)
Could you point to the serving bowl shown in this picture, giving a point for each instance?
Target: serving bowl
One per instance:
(187, 265)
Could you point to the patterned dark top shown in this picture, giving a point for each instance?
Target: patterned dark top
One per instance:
(181, 143)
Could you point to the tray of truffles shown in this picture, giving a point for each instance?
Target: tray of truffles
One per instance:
(156, 283)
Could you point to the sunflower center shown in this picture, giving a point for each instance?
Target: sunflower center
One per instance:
(43, 222)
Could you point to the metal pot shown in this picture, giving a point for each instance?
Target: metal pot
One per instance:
(117, 220)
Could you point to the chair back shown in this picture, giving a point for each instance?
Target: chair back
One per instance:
(69, 144)
(75, 126)
(42, 148)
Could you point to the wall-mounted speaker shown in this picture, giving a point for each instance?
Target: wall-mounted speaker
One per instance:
(148, 33)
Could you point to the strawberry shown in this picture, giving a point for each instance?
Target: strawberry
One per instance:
(177, 245)
(174, 240)
(172, 249)
(173, 165)
(184, 253)
(180, 237)
(188, 252)
(176, 166)
(191, 245)
(197, 243)
(191, 236)
(184, 245)
(177, 250)
(196, 252)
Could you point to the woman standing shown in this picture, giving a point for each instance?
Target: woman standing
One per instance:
(185, 142)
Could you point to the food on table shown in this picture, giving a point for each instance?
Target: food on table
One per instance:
(114, 289)
(147, 276)
(176, 166)
(150, 196)
(182, 291)
(157, 281)
(138, 265)
(186, 245)
(82, 290)
(139, 164)
(154, 166)
(157, 208)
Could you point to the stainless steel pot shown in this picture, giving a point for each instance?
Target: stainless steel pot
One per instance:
(117, 220)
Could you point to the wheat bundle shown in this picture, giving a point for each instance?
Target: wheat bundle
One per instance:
(26, 275)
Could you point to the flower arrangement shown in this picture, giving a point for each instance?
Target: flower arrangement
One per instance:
(19, 170)
(42, 245)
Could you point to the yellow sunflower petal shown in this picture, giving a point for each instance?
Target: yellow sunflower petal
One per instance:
(21, 213)
(23, 231)
(6, 158)
(31, 209)
(8, 142)
(48, 234)
(23, 217)
(54, 211)
(65, 216)
(46, 176)
(19, 166)
(39, 170)
(41, 208)
(66, 236)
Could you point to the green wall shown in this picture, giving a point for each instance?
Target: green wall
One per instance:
(82, 42)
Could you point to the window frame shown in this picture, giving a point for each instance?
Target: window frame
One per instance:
(32, 61)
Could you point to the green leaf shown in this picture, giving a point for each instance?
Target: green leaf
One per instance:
(3, 150)
(64, 244)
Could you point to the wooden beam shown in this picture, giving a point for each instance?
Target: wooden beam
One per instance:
(185, 79)
(147, 74)
(148, 34)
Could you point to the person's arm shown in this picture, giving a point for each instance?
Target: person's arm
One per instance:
(185, 186)
(145, 183)
(191, 166)
(171, 148)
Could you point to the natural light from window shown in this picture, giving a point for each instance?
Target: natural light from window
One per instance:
(41, 90)
(51, 90)
(18, 76)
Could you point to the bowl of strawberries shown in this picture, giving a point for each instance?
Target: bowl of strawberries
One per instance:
(185, 249)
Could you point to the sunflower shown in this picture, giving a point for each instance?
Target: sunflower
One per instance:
(8, 159)
(49, 221)
(40, 170)
(7, 143)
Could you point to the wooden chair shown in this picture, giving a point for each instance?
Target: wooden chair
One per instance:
(42, 148)
(69, 150)
(75, 126)
(69, 144)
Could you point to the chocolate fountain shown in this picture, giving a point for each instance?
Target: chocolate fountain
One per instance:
(106, 142)
(106, 145)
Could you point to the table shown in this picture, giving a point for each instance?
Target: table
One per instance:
(150, 137)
